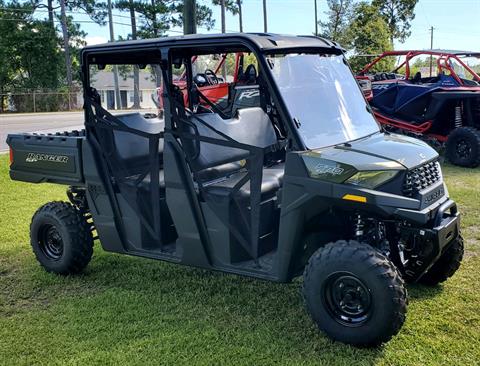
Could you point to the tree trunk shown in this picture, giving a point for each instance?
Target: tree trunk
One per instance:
(189, 17)
(118, 100)
(136, 73)
(50, 13)
(240, 19)
(2, 96)
(156, 68)
(66, 45)
(265, 28)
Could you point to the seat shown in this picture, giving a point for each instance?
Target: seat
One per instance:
(417, 77)
(272, 179)
(133, 150)
(249, 77)
(213, 163)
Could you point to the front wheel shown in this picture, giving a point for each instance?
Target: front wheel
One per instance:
(61, 238)
(354, 293)
(463, 147)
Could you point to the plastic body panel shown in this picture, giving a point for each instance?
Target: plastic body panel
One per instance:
(46, 158)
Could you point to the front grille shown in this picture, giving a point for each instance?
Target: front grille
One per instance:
(420, 178)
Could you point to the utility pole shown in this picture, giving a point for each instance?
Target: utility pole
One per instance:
(66, 45)
(316, 18)
(115, 67)
(189, 17)
(431, 48)
(240, 19)
(222, 6)
(265, 30)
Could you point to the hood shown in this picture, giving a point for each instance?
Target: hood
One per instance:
(381, 151)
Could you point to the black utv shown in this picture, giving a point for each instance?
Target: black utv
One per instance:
(288, 173)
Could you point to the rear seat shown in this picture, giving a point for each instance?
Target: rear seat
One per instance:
(133, 150)
(251, 126)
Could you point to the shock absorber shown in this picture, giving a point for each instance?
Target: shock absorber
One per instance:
(359, 226)
(458, 116)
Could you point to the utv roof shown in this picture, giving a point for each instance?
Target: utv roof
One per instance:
(263, 41)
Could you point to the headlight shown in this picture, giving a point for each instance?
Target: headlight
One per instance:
(371, 179)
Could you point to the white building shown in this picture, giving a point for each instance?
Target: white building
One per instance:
(103, 82)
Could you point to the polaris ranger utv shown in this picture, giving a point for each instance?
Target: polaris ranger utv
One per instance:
(290, 174)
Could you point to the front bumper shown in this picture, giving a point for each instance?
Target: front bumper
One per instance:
(429, 244)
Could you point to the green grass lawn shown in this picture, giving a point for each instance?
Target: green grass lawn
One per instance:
(126, 310)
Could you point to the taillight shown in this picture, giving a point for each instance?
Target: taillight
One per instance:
(11, 156)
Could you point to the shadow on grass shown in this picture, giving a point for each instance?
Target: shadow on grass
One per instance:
(421, 292)
(195, 309)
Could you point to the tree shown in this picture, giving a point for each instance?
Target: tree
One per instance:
(29, 53)
(233, 6)
(339, 16)
(156, 17)
(368, 34)
(398, 14)
(95, 9)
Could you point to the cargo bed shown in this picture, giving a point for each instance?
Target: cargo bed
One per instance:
(54, 158)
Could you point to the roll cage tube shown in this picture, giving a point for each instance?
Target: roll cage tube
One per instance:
(442, 57)
(296, 142)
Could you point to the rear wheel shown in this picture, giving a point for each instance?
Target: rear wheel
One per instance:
(61, 238)
(463, 147)
(354, 293)
(446, 266)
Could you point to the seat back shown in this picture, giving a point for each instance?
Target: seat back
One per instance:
(130, 146)
(250, 126)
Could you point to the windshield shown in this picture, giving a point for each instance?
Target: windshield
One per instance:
(472, 62)
(323, 97)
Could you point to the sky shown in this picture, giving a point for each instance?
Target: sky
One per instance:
(456, 22)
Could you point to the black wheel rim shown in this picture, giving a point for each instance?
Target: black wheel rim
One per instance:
(50, 242)
(463, 149)
(347, 299)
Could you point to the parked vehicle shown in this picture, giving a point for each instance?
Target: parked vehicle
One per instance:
(212, 86)
(440, 103)
(290, 175)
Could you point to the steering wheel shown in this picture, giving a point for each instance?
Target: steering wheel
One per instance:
(212, 78)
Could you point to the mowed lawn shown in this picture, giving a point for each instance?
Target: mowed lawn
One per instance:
(125, 310)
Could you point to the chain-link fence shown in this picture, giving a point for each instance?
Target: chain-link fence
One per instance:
(40, 101)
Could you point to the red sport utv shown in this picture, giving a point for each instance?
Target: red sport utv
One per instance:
(434, 94)
(212, 81)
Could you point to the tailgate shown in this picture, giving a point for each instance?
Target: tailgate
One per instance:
(46, 158)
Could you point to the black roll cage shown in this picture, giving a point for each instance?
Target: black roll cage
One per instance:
(121, 53)
(132, 54)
